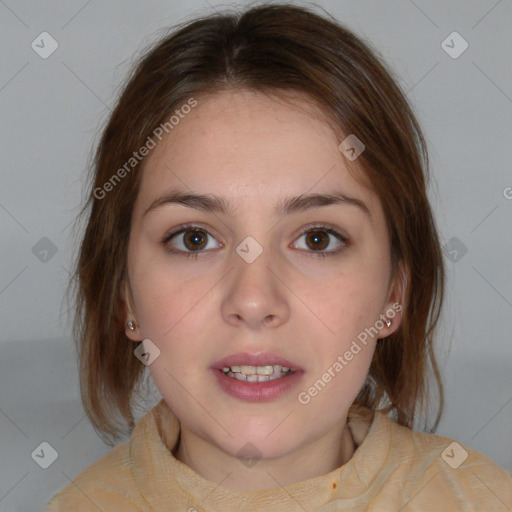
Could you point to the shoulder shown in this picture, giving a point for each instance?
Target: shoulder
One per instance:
(107, 484)
(439, 470)
(131, 473)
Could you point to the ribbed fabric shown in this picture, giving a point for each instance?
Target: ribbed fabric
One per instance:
(392, 469)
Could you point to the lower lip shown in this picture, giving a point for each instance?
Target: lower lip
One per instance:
(257, 391)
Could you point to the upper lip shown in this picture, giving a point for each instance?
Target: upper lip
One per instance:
(255, 359)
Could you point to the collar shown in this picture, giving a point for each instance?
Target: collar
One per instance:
(166, 482)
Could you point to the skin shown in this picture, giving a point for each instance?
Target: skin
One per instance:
(256, 150)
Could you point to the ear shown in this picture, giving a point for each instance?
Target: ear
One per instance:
(394, 307)
(129, 314)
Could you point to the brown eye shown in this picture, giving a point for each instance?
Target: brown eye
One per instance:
(194, 240)
(317, 240)
(190, 240)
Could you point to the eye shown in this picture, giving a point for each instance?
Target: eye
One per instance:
(190, 241)
(319, 238)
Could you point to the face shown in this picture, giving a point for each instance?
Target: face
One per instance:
(254, 285)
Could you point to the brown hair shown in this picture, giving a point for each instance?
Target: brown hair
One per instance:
(266, 48)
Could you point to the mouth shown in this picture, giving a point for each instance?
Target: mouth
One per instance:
(247, 373)
(257, 377)
(256, 367)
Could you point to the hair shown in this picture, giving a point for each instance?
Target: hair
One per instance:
(269, 49)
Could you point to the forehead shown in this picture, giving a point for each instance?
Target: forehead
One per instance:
(248, 146)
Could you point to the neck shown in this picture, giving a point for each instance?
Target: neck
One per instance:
(317, 458)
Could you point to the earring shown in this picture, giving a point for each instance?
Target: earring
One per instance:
(131, 325)
(388, 321)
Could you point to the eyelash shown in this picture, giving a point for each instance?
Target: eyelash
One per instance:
(317, 227)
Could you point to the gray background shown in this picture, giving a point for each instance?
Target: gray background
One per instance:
(52, 109)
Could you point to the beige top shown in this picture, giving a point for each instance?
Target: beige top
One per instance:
(393, 469)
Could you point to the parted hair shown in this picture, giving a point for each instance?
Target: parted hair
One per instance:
(267, 48)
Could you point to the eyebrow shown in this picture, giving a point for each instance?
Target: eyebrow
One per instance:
(287, 206)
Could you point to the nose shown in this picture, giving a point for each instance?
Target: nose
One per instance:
(255, 293)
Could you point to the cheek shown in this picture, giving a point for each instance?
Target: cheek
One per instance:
(349, 301)
(174, 313)
(334, 389)
(164, 298)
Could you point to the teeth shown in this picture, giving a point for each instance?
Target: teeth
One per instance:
(256, 370)
(248, 370)
(249, 373)
(265, 370)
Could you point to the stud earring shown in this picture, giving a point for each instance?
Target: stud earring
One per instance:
(131, 325)
(388, 321)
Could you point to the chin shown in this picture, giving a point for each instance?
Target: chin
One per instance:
(251, 449)
(261, 441)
